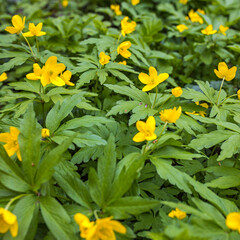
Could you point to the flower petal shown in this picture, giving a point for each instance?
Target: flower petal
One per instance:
(151, 123)
(144, 78)
(152, 72)
(57, 81)
(139, 137)
(149, 87)
(9, 217)
(52, 61)
(231, 73)
(14, 229)
(117, 226)
(28, 34)
(4, 137)
(141, 126)
(218, 74)
(162, 77)
(17, 21)
(11, 30)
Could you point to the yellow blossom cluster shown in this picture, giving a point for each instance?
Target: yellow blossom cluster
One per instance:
(116, 9)
(51, 72)
(100, 229)
(177, 213)
(127, 27)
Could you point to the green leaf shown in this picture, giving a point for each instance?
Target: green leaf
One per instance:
(230, 147)
(29, 141)
(224, 182)
(60, 111)
(102, 74)
(106, 167)
(121, 208)
(70, 182)
(86, 77)
(45, 170)
(122, 107)
(120, 75)
(131, 92)
(57, 219)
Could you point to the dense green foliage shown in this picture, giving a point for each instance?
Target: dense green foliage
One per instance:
(89, 164)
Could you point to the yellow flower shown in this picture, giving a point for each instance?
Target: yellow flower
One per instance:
(224, 72)
(135, 2)
(194, 17)
(170, 115)
(51, 71)
(123, 49)
(84, 224)
(116, 9)
(123, 62)
(3, 77)
(66, 76)
(18, 25)
(201, 113)
(177, 213)
(238, 94)
(45, 132)
(181, 27)
(146, 130)
(183, 1)
(223, 29)
(152, 80)
(104, 59)
(34, 30)
(11, 140)
(127, 27)
(209, 30)
(102, 229)
(177, 91)
(233, 221)
(201, 11)
(8, 221)
(65, 3)
(37, 73)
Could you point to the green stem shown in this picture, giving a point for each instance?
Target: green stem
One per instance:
(155, 97)
(165, 101)
(13, 200)
(28, 45)
(165, 125)
(220, 90)
(145, 147)
(119, 38)
(95, 214)
(228, 98)
(37, 44)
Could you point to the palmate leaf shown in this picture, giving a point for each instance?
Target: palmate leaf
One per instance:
(184, 181)
(124, 207)
(57, 219)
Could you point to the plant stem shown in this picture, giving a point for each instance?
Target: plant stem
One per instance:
(95, 214)
(119, 37)
(220, 90)
(228, 98)
(37, 44)
(155, 97)
(29, 46)
(14, 199)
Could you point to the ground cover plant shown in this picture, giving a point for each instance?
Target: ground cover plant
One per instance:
(119, 120)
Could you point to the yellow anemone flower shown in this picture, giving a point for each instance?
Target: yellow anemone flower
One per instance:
(177, 91)
(51, 71)
(233, 221)
(3, 77)
(146, 130)
(65, 3)
(116, 9)
(224, 72)
(135, 2)
(123, 62)
(34, 30)
(127, 27)
(66, 76)
(11, 140)
(194, 17)
(37, 73)
(238, 94)
(181, 27)
(223, 29)
(84, 224)
(201, 11)
(104, 59)
(123, 49)
(177, 213)
(170, 115)
(152, 80)
(209, 30)
(18, 25)
(183, 1)
(45, 132)
(8, 222)
(105, 228)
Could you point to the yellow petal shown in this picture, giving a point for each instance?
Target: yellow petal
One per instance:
(3, 77)
(152, 72)
(79, 218)
(14, 229)
(141, 126)
(39, 28)
(17, 21)
(162, 77)
(233, 220)
(151, 137)
(57, 81)
(11, 30)
(41, 34)
(151, 123)
(52, 61)
(4, 137)
(60, 67)
(144, 78)
(231, 73)
(222, 68)
(32, 76)
(139, 137)
(9, 217)
(219, 75)
(117, 226)
(37, 70)
(28, 34)
(14, 131)
(149, 87)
